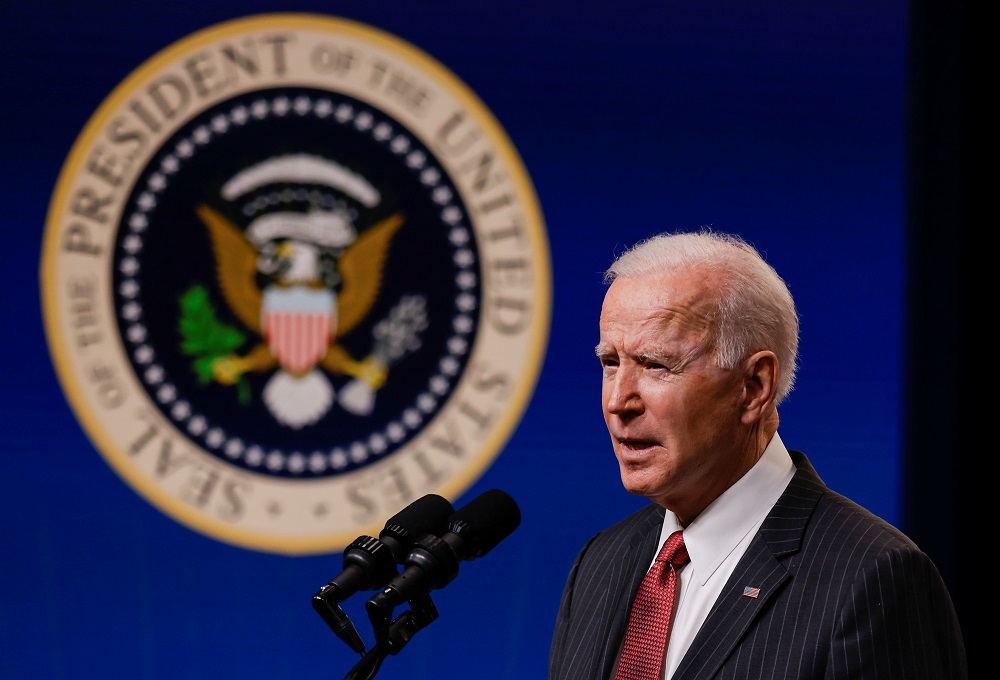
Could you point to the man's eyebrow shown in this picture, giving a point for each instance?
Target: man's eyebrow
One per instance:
(655, 356)
(651, 356)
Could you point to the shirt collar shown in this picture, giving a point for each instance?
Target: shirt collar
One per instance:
(726, 522)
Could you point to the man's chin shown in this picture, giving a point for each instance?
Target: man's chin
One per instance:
(636, 485)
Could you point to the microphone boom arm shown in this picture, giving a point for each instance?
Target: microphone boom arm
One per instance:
(392, 637)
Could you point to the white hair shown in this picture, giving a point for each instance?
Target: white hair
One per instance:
(755, 308)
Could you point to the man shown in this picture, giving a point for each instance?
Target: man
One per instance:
(786, 578)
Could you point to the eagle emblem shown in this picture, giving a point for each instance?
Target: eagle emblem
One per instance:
(297, 297)
(299, 281)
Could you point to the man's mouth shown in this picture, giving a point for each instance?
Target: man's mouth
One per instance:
(634, 448)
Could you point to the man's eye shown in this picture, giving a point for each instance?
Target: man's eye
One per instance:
(659, 367)
(648, 361)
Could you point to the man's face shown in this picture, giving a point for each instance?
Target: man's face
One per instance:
(673, 416)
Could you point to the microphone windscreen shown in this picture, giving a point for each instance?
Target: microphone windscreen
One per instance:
(485, 521)
(426, 515)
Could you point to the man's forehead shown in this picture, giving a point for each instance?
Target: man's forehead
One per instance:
(651, 314)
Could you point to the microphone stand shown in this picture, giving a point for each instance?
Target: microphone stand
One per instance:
(392, 636)
(338, 621)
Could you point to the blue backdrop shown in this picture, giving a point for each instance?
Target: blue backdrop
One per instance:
(782, 121)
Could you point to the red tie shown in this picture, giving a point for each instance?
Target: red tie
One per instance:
(652, 613)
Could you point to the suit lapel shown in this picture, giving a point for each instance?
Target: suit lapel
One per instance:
(761, 567)
(642, 546)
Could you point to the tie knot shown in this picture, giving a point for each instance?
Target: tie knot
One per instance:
(674, 551)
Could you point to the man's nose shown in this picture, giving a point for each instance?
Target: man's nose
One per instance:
(622, 394)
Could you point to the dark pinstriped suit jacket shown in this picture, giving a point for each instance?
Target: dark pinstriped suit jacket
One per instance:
(843, 594)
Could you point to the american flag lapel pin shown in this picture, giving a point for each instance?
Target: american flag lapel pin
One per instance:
(749, 591)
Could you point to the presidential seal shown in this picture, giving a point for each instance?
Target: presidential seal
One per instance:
(294, 277)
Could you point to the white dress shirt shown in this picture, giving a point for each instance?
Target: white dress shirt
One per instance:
(717, 539)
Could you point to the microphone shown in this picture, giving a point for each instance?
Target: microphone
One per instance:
(433, 562)
(427, 515)
(370, 563)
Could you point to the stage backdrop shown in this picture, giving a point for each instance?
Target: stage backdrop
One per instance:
(596, 126)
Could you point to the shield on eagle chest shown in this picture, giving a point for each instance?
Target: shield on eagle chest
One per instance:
(299, 324)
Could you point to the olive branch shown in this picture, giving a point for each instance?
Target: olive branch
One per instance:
(206, 338)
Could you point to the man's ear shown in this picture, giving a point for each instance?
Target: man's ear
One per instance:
(760, 384)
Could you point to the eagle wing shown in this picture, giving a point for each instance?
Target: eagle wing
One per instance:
(361, 268)
(236, 267)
